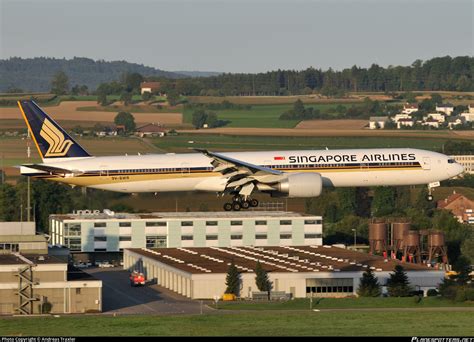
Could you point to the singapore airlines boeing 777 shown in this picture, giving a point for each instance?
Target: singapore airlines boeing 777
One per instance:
(239, 174)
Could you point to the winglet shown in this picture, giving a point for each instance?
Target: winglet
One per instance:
(50, 139)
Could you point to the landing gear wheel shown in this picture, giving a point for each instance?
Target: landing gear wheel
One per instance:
(254, 202)
(228, 206)
(429, 198)
(236, 206)
(245, 204)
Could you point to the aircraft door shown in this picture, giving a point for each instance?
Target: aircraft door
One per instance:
(104, 172)
(185, 168)
(426, 164)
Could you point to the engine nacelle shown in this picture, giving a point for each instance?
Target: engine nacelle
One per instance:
(301, 185)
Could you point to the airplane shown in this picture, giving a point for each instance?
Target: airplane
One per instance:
(239, 174)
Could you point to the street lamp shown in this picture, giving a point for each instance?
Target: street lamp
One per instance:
(355, 237)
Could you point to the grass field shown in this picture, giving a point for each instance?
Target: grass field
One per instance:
(265, 100)
(13, 150)
(345, 303)
(216, 142)
(415, 323)
(259, 116)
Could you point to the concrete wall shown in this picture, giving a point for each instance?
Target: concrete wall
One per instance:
(17, 228)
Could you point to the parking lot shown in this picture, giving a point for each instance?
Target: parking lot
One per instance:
(118, 297)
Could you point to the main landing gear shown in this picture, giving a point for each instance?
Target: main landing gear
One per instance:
(238, 203)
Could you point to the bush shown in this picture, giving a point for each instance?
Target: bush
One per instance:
(461, 295)
(470, 294)
(417, 299)
(46, 307)
(432, 293)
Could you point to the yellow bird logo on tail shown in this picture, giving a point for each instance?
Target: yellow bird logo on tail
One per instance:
(58, 146)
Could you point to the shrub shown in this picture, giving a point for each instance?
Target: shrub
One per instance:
(417, 299)
(432, 293)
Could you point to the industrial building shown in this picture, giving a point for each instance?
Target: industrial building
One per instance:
(32, 282)
(28, 282)
(302, 271)
(94, 231)
(21, 237)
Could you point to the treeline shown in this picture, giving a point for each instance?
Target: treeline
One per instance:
(35, 74)
(440, 73)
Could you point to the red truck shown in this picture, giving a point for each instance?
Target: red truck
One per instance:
(137, 278)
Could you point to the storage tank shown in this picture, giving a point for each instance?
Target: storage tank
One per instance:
(436, 238)
(411, 239)
(377, 231)
(399, 229)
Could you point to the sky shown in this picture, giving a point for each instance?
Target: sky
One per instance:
(239, 36)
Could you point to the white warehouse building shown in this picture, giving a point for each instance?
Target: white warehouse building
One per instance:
(302, 271)
(94, 231)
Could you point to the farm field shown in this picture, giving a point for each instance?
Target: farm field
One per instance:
(260, 116)
(268, 100)
(347, 132)
(344, 323)
(13, 150)
(68, 111)
(185, 142)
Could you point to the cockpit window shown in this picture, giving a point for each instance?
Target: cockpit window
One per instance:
(451, 161)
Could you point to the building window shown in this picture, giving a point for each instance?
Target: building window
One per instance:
(309, 221)
(211, 223)
(155, 224)
(186, 237)
(211, 237)
(100, 238)
(78, 291)
(100, 250)
(100, 224)
(285, 222)
(72, 229)
(155, 241)
(236, 237)
(125, 224)
(125, 238)
(313, 236)
(186, 223)
(285, 236)
(261, 236)
(74, 245)
(260, 223)
(235, 223)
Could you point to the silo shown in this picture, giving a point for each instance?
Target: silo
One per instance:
(411, 246)
(437, 246)
(377, 237)
(398, 231)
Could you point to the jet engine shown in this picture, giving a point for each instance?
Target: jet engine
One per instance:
(300, 185)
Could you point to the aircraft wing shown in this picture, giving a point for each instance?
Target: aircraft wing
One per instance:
(242, 176)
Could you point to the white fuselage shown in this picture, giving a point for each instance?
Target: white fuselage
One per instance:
(193, 171)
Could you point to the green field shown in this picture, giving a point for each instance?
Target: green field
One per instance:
(345, 303)
(259, 116)
(216, 142)
(376, 323)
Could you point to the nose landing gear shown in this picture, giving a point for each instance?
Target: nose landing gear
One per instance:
(431, 187)
(238, 203)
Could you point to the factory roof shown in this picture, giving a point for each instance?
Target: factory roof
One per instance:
(16, 259)
(180, 215)
(273, 259)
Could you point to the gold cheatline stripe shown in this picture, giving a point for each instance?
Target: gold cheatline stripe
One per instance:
(97, 180)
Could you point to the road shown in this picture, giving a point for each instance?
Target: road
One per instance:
(118, 297)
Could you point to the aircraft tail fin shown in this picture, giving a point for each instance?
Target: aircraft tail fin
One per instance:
(50, 139)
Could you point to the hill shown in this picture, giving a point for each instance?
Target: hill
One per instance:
(34, 74)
